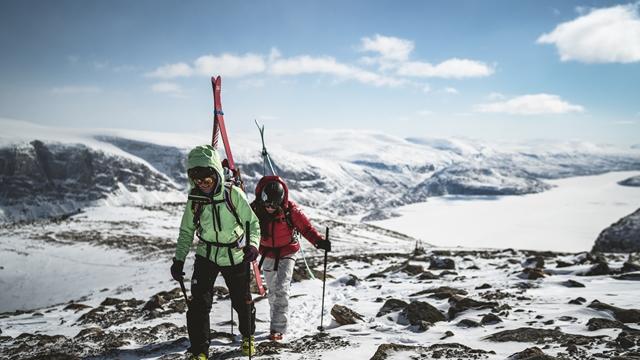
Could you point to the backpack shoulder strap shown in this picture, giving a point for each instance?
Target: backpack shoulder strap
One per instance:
(228, 187)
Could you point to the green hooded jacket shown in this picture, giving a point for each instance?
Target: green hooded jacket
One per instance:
(226, 230)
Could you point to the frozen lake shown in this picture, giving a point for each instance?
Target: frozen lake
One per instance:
(568, 217)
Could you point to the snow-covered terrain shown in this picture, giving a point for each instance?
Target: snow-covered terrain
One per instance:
(356, 174)
(93, 280)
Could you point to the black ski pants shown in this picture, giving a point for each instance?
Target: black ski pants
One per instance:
(204, 276)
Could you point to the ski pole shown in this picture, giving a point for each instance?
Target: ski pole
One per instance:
(184, 292)
(248, 243)
(324, 281)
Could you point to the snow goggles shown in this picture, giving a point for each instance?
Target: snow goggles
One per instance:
(206, 181)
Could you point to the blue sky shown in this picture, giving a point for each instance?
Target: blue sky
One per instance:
(496, 70)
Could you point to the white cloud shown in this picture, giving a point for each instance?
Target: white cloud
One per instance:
(426, 89)
(171, 71)
(225, 64)
(535, 104)
(452, 68)
(73, 89)
(607, 35)
(230, 65)
(450, 90)
(327, 65)
(625, 122)
(167, 88)
(389, 48)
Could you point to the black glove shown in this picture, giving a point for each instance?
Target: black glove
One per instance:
(250, 253)
(324, 245)
(176, 270)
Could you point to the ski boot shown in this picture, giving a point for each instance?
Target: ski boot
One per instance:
(248, 345)
(275, 336)
(201, 356)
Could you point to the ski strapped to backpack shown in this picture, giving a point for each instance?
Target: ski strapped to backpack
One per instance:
(220, 128)
(266, 161)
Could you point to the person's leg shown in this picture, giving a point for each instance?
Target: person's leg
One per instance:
(236, 279)
(204, 275)
(281, 283)
(270, 276)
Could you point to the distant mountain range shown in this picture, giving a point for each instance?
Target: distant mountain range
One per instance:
(48, 172)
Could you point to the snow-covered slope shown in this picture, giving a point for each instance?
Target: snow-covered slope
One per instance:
(359, 174)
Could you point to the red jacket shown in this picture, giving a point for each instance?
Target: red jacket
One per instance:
(274, 228)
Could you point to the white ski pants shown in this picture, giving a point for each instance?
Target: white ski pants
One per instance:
(279, 283)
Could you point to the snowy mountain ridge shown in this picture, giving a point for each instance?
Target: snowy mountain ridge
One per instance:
(359, 174)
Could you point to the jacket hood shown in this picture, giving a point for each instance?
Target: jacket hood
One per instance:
(206, 156)
(268, 179)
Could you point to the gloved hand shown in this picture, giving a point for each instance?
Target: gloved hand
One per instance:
(176, 270)
(250, 253)
(324, 245)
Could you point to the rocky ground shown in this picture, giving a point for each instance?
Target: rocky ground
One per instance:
(427, 304)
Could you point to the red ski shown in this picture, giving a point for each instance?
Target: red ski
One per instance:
(219, 127)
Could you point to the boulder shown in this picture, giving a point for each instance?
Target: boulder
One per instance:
(438, 263)
(418, 311)
(622, 236)
(623, 315)
(391, 305)
(345, 316)
(460, 304)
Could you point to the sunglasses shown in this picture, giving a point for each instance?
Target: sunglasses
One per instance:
(207, 181)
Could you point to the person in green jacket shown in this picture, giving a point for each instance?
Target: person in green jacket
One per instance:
(222, 248)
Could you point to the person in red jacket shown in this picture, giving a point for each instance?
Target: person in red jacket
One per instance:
(280, 220)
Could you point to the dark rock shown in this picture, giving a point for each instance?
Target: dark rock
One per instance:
(578, 301)
(629, 267)
(442, 292)
(623, 315)
(541, 336)
(447, 272)
(428, 275)
(629, 276)
(418, 311)
(601, 323)
(422, 326)
(76, 307)
(601, 268)
(490, 319)
(412, 269)
(572, 284)
(473, 267)
(622, 236)
(345, 316)
(534, 262)
(391, 305)
(438, 263)
(467, 323)
(532, 274)
(155, 302)
(533, 353)
(447, 334)
(351, 280)
(567, 318)
(563, 264)
(483, 286)
(436, 351)
(460, 304)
